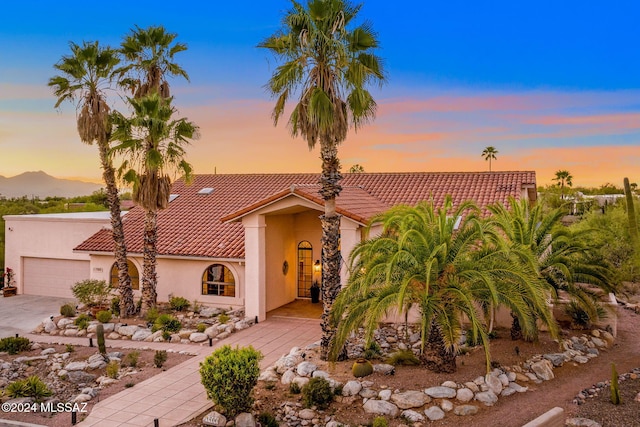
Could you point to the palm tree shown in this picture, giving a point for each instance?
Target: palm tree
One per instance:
(85, 75)
(150, 53)
(561, 257)
(563, 177)
(489, 153)
(154, 144)
(327, 65)
(423, 260)
(357, 168)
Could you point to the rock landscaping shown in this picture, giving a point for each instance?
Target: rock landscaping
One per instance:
(212, 326)
(420, 405)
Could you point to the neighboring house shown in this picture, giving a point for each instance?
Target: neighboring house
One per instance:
(253, 240)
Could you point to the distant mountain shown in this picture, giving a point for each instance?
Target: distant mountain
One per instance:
(39, 184)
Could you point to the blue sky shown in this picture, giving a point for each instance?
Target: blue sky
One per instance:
(551, 84)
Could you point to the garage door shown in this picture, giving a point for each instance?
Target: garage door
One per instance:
(53, 277)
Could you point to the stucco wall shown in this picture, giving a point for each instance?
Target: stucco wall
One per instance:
(51, 236)
(180, 277)
(280, 237)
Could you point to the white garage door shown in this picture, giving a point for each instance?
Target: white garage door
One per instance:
(53, 277)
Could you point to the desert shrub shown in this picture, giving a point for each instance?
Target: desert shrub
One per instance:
(229, 376)
(196, 306)
(112, 369)
(267, 420)
(82, 321)
(380, 422)
(403, 357)
(151, 315)
(579, 317)
(69, 348)
(200, 327)
(91, 292)
(223, 318)
(68, 310)
(103, 316)
(294, 388)
(29, 387)
(167, 323)
(115, 306)
(159, 358)
(179, 303)
(372, 351)
(129, 384)
(270, 385)
(131, 359)
(317, 392)
(166, 335)
(14, 345)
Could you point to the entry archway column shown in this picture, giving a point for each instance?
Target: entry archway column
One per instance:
(255, 266)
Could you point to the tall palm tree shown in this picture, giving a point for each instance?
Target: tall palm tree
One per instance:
(423, 260)
(154, 144)
(327, 63)
(561, 256)
(563, 177)
(489, 153)
(85, 75)
(150, 54)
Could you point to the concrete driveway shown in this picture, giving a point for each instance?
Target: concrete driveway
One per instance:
(20, 314)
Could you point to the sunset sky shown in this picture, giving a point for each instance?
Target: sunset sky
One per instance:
(551, 84)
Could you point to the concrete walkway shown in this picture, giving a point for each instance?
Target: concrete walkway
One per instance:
(176, 395)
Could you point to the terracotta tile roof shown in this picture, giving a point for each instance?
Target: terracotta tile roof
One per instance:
(193, 226)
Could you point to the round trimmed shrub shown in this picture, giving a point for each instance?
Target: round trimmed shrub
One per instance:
(68, 310)
(103, 316)
(317, 392)
(229, 376)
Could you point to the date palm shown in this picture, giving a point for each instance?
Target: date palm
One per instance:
(326, 65)
(154, 142)
(560, 256)
(563, 177)
(85, 76)
(423, 260)
(489, 153)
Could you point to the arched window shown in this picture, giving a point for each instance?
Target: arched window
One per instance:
(218, 280)
(133, 273)
(305, 269)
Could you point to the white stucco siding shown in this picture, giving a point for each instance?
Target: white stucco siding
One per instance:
(52, 277)
(48, 236)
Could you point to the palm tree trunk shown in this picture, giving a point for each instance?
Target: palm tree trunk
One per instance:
(149, 277)
(127, 307)
(435, 356)
(330, 221)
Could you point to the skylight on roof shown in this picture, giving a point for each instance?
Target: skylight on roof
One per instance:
(206, 190)
(172, 197)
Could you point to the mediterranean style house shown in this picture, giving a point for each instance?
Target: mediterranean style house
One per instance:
(241, 240)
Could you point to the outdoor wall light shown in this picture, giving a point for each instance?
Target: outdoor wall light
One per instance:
(316, 266)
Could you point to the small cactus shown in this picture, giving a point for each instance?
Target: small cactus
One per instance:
(361, 368)
(100, 334)
(615, 388)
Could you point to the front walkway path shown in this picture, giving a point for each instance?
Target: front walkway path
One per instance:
(176, 396)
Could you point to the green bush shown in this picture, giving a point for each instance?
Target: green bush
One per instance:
(267, 420)
(103, 316)
(294, 388)
(179, 303)
(30, 387)
(166, 335)
(115, 306)
(372, 351)
(229, 376)
(380, 422)
(131, 359)
(167, 323)
(68, 310)
(317, 392)
(112, 369)
(92, 292)
(201, 327)
(69, 348)
(152, 315)
(14, 345)
(223, 318)
(82, 321)
(159, 358)
(403, 357)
